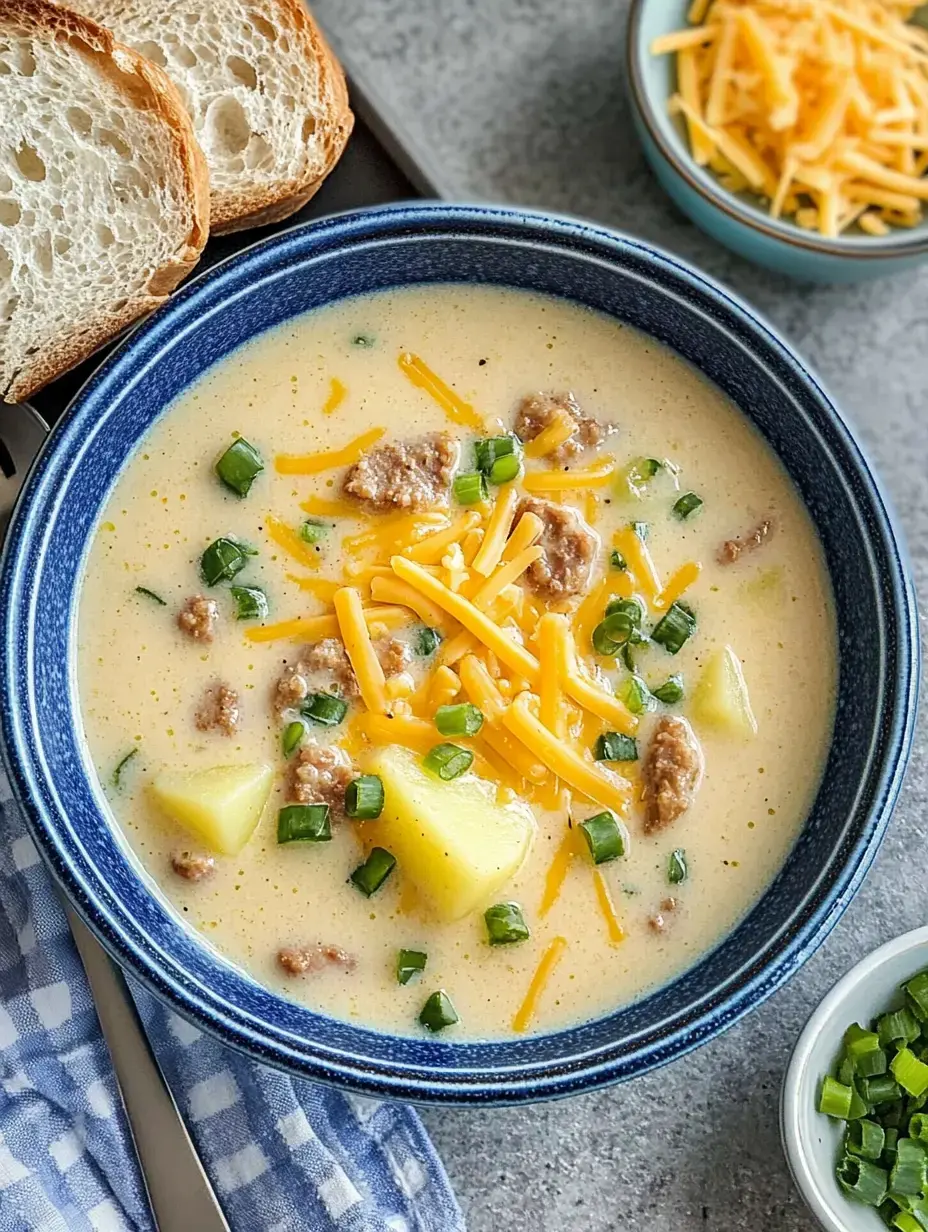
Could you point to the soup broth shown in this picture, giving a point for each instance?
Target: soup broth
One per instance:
(722, 743)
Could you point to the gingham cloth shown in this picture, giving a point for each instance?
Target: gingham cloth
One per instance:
(283, 1155)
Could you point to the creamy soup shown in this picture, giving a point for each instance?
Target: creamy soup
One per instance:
(576, 685)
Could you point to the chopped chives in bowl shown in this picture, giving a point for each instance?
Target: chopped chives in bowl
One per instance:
(438, 1012)
(223, 559)
(293, 737)
(324, 709)
(878, 1089)
(605, 837)
(150, 594)
(313, 531)
(615, 746)
(675, 627)
(427, 641)
(670, 692)
(687, 505)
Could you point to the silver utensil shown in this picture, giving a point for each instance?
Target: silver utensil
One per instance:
(182, 1198)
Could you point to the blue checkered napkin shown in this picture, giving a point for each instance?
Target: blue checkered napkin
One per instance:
(283, 1155)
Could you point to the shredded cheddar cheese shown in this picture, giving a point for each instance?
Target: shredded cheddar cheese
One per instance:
(524, 534)
(359, 648)
(392, 590)
(560, 429)
(557, 874)
(549, 961)
(315, 628)
(338, 392)
(454, 406)
(320, 507)
(313, 463)
(817, 106)
(675, 586)
(607, 908)
(595, 476)
(430, 550)
(287, 538)
(552, 654)
(497, 530)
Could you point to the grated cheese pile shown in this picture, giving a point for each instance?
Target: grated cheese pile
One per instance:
(820, 107)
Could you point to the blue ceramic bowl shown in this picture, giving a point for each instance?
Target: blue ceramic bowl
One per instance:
(737, 221)
(357, 253)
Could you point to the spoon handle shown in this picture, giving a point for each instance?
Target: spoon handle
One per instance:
(181, 1195)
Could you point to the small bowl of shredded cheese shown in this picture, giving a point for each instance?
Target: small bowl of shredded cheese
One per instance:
(793, 131)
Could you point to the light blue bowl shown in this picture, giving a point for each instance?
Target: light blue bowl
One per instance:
(353, 254)
(737, 220)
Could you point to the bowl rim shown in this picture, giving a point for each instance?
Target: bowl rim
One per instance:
(791, 1107)
(850, 247)
(460, 1083)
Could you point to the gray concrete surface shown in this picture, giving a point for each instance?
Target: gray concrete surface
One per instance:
(523, 101)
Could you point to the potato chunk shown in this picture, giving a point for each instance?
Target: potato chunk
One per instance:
(454, 842)
(222, 805)
(721, 700)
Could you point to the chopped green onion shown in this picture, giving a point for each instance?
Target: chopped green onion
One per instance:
(239, 467)
(910, 1171)
(602, 643)
(324, 709)
(631, 608)
(890, 1138)
(905, 1221)
(880, 1090)
(639, 473)
(674, 628)
(917, 990)
(615, 746)
(364, 340)
(918, 1126)
(859, 1106)
(462, 719)
(250, 602)
(505, 924)
(605, 837)
(846, 1072)
(117, 773)
(504, 470)
(448, 761)
(470, 488)
(865, 1138)
(371, 875)
(304, 823)
(835, 1100)
(438, 1012)
(408, 964)
(894, 1114)
(862, 1180)
(293, 737)
(687, 505)
(677, 869)
(223, 559)
(909, 1072)
(617, 560)
(492, 450)
(427, 642)
(858, 1041)
(670, 692)
(871, 1064)
(364, 798)
(898, 1025)
(628, 658)
(634, 693)
(150, 594)
(642, 530)
(313, 531)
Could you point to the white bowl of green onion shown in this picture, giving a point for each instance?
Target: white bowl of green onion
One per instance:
(854, 1108)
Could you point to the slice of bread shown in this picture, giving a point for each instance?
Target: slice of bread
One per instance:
(104, 193)
(266, 95)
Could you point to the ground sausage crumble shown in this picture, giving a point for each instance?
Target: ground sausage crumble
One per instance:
(306, 959)
(413, 476)
(192, 866)
(198, 618)
(568, 550)
(731, 549)
(538, 411)
(320, 775)
(218, 710)
(672, 772)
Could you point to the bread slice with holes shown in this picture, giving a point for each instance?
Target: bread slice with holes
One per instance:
(266, 95)
(104, 193)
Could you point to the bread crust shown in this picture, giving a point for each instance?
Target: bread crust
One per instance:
(258, 207)
(148, 89)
